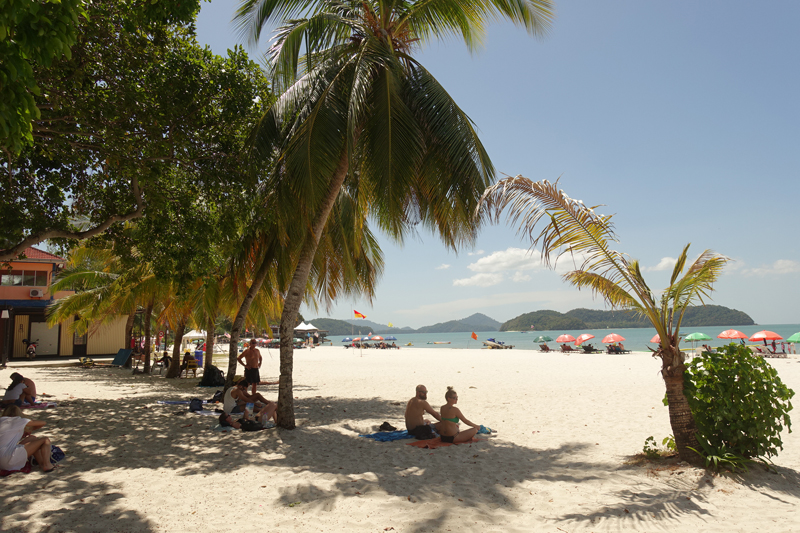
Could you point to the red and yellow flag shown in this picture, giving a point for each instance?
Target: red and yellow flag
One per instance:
(474, 335)
(358, 315)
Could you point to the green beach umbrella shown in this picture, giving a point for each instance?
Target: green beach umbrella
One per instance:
(694, 337)
(794, 338)
(542, 338)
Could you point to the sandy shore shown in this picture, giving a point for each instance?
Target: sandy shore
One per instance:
(567, 428)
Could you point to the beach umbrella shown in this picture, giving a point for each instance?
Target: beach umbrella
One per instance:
(657, 339)
(794, 338)
(391, 338)
(732, 334)
(765, 336)
(694, 337)
(357, 339)
(583, 337)
(565, 338)
(376, 338)
(612, 337)
(542, 338)
(347, 339)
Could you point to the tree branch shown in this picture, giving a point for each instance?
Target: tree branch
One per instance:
(14, 252)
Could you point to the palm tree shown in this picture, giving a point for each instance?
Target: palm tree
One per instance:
(575, 230)
(359, 115)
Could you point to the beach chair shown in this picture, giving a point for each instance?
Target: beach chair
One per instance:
(191, 364)
(544, 348)
(565, 348)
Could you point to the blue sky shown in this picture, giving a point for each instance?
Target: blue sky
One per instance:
(682, 117)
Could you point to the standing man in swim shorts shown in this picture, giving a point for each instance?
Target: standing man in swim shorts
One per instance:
(416, 408)
(252, 362)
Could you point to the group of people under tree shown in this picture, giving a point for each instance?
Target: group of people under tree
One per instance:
(448, 418)
(22, 391)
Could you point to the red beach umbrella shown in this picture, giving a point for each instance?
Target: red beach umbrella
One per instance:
(657, 338)
(357, 339)
(376, 338)
(765, 335)
(565, 338)
(731, 334)
(583, 337)
(613, 337)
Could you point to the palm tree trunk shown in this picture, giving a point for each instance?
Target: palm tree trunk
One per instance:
(175, 365)
(244, 308)
(294, 296)
(129, 329)
(148, 316)
(211, 325)
(680, 415)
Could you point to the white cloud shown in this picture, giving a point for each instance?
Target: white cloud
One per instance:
(479, 280)
(781, 266)
(666, 263)
(506, 260)
(519, 276)
(479, 252)
(443, 266)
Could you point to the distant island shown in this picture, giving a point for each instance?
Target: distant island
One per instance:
(476, 322)
(546, 320)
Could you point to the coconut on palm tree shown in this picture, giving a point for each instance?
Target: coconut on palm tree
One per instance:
(575, 231)
(359, 115)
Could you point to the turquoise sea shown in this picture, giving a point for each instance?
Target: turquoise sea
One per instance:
(637, 339)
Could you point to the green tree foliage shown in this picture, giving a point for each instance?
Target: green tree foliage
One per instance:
(739, 403)
(137, 112)
(545, 320)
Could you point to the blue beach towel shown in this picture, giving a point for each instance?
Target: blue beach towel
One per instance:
(388, 436)
(176, 402)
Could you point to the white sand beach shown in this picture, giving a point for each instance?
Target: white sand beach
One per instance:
(561, 460)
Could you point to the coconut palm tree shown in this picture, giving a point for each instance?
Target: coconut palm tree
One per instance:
(576, 231)
(359, 115)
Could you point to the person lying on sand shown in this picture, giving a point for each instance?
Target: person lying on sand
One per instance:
(451, 415)
(416, 408)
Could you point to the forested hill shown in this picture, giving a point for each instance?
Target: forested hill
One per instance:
(709, 315)
(476, 322)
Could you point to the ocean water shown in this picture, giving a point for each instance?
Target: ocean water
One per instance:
(637, 339)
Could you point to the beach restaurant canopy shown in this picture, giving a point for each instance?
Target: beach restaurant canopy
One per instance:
(306, 327)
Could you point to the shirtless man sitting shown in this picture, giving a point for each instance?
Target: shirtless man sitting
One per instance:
(416, 408)
(252, 362)
(29, 392)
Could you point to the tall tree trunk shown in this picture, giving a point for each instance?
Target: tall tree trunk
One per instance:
(175, 365)
(294, 296)
(680, 415)
(148, 316)
(244, 308)
(212, 326)
(129, 329)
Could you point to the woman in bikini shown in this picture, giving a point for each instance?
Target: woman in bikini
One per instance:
(451, 415)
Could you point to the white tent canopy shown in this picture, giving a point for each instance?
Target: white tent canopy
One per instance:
(306, 327)
(194, 334)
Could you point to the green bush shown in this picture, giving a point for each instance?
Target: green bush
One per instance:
(740, 406)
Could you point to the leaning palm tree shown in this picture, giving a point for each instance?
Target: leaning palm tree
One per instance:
(359, 115)
(575, 230)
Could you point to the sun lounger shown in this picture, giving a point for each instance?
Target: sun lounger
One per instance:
(544, 348)
(565, 348)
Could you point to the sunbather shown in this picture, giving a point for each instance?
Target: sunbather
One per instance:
(415, 415)
(15, 450)
(451, 415)
(236, 399)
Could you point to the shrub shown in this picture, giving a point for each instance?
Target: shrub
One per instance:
(740, 406)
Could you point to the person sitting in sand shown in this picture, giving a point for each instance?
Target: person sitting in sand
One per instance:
(416, 408)
(17, 392)
(451, 415)
(252, 362)
(15, 450)
(29, 392)
(236, 399)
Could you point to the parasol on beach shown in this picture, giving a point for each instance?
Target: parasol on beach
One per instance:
(794, 338)
(765, 335)
(391, 338)
(732, 334)
(657, 339)
(583, 337)
(612, 337)
(376, 338)
(696, 337)
(565, 338)
(543, 338)
(347, 339)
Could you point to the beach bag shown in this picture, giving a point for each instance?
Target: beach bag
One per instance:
(56, 455)
(219, 396)
(195, 404)
(250, 425)
(213, 378)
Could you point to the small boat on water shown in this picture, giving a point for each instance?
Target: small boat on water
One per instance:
(496, 345)
(409, 344)
(439, 342)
